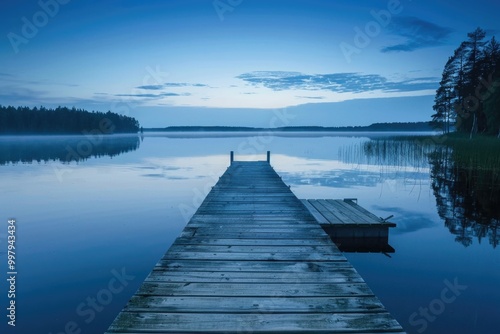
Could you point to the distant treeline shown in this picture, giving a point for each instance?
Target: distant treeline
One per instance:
(62, 120)
(468, 96)
(406, 126)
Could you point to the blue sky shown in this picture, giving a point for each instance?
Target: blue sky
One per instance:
(235, 62)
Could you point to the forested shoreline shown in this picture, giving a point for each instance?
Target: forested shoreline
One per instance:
(468, 97)
(63, 120)
(394, 126)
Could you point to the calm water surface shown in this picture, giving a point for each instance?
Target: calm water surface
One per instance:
(94, 215)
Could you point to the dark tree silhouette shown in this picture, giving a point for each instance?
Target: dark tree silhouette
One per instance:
(444, 97)
(62, 120)
(469, 89)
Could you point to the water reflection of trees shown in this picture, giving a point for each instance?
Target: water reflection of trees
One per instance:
(466, 184)
(467, 196)
(66, 149)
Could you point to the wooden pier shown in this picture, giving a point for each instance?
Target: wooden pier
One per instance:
(253, 259)
(351, 227)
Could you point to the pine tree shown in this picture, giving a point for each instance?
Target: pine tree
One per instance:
(462, 116)
(491, 86)
(473, 69)
(445, 94)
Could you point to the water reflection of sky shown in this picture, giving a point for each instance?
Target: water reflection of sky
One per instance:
(79, 221)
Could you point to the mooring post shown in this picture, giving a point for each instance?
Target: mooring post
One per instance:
(231, 157)
(269, 156)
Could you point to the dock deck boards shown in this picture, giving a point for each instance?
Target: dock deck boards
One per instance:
(342, 212)
(349, 225)
(253, 259)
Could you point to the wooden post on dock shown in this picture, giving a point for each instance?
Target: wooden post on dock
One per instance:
(269, 157)
(231, 157)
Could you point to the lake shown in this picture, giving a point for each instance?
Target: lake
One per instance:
(93, 215)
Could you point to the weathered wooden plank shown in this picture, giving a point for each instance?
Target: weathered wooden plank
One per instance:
(254, 249)
(278, 233)
(270, 211)
(255, 289)
(237, 235)
(246, 188)
(340, 275)
(218, 206)
(324, 241)
(360, 208)
(267, 197)
(278, 214)
(368, 213)
(254, 218)
(260, 216)
(214, 233)
(329, 216)
(256, 224)
(256, 323)
(312, 229)
(248, 228)
(356, 215)
(316, 214)
(345, 217)
(258, 249)
(234, 305)
(252, 266)
(253, 256)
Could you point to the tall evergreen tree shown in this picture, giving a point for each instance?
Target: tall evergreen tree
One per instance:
(445, 94)
(473, 69)
(462, 116)
(491, 58)
(491, 86)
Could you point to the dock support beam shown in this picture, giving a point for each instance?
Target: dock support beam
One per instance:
(268, 156)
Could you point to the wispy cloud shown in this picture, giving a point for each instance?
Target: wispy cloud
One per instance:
(171, 85)
(153, 96)
(312, 97)
(15, 79)
(335, 82)
(21, 95)
(151, 87)
(25, 96)
(417, 34)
